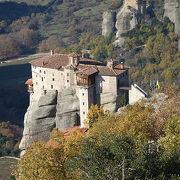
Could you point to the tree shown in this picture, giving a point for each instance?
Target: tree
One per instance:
(41, 162)
(93, 114)
(107, 158)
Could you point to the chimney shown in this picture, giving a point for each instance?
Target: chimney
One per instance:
(52, 52)
(122, 65)
(110, 63)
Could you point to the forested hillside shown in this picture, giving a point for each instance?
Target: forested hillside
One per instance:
(24, 26)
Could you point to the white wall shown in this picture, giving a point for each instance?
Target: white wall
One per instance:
(51, 79)
(135, 94)
(105, 84)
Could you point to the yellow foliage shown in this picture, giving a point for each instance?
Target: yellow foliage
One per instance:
(94, 113)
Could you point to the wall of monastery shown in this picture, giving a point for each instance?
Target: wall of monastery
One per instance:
(51, 79)
(105, 84)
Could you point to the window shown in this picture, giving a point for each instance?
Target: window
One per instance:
(53, 79)
(36, 83)
(40, 71)
(51, 86)
(36, 75)
(67, 74)
(83, 112)
(43, 87)
(67, 80)
(83, 94)
(53, 74)
(83, 103)
(42, 78)
(44, 72)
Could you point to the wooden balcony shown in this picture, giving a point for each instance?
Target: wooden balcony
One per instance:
(85, 80)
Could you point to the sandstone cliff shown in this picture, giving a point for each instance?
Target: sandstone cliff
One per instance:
(172, 10)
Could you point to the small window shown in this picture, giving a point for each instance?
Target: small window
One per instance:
(44, 72)
(67, 80)
(42, 78)
(36, 75)
(43, 87)
(51, 86)
(53, 74)
(40, 71)
(53, 79)
(61, 73)
(83, 103)
(36, 83)
(67, 74)
(83, 112)
(83, 94)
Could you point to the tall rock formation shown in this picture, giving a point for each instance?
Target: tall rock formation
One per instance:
(51, 110)
(108, 23)
(126, 20)
(172, 10)
(128, 16)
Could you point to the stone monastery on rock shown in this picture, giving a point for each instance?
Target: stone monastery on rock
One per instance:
(93, 81)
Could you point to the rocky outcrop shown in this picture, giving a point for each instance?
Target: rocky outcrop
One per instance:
(39, 119)
(51, 110)
(126, 20)
(67, 109)
(108, 23)
(172, 10)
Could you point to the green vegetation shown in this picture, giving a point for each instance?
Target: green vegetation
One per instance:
(140, 143)
(31, 23)
(10, 136)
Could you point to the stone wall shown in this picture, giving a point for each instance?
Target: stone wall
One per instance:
(136, 94)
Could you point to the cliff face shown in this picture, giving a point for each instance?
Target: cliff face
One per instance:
(172, 10)
(51, 110)
(108, 23)
(60, 110)
(126, 20)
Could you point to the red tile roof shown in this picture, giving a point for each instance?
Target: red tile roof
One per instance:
(29, 82)
(55, 61)
(88, 71)
(86, 66)
(67, 134)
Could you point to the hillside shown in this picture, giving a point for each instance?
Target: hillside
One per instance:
(5, 164)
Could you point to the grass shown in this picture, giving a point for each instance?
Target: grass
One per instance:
(5, 170)
(15, 72)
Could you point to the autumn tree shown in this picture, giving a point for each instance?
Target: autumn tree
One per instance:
(93, 114)
(51, 43)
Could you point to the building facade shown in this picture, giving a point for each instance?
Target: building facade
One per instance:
(91, 79)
